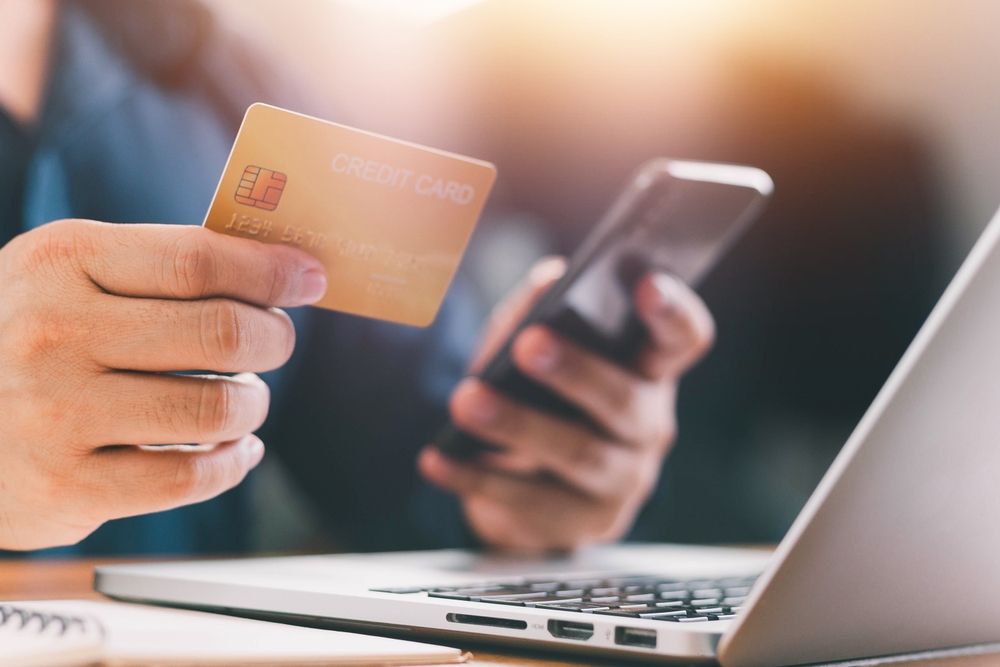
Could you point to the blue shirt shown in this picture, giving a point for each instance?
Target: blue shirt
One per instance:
(358, 399)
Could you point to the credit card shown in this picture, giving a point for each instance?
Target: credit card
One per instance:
(389, 219)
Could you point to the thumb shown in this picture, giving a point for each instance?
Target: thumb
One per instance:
(509, 312)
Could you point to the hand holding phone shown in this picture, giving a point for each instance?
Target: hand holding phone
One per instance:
(674, 216)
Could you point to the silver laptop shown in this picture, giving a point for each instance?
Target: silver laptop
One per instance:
(897, 551)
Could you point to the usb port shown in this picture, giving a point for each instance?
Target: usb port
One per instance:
(571, 630)
(635, 637)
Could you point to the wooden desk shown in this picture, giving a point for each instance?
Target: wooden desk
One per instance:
(39, 580)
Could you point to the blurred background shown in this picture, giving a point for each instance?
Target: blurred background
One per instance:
(877, 120)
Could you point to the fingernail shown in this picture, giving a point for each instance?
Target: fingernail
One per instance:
(666, 289)
(545, 357)
(313, 286)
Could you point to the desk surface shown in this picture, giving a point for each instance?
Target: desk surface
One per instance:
(28, 580)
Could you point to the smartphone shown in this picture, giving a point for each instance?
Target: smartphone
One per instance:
(675, 216)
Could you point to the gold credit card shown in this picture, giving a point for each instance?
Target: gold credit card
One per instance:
(389, 219)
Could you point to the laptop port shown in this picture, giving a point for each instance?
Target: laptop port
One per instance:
(491, 621)
(571, 630)
(635, 637)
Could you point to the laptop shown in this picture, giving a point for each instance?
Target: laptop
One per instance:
(897, 550)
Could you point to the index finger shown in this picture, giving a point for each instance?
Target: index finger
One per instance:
(509, 312)
(187, 262)
(681, 330)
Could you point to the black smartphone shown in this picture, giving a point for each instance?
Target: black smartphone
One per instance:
(675, 216)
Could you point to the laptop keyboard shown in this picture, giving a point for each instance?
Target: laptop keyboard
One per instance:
(633, 596)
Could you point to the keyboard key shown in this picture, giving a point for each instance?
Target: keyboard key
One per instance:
(448, 595)
(669, 603)
(515, 602)
(630, 580)
(604, 592)
(692, 619)
(707, 593)
(678, 586)
(731, 602)
(736, 581)
(547, 586)
(402, 590)
(633, 612)
(710, 610)
(643, 597)
(570, 593)
(664, 614)
(492, 590)
(539, 595)
(574, 606)
(704, 602)
(674, 595)
(550, 600)
(737, 591)
(608, 600)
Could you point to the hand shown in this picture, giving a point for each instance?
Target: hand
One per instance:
(93, 317)
(559, 484)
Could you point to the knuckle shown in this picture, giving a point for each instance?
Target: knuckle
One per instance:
(191, 265)
(54, 244)
(189, 478)
(216, 409)
(36, 335)
(223, 333)
(280, 279)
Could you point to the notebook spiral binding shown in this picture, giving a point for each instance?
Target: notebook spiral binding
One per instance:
(26, 620)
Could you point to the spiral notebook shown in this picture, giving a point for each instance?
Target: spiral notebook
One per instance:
(78, 633)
